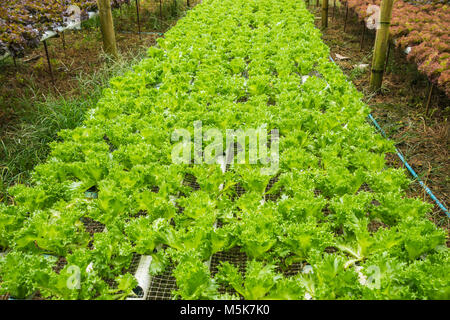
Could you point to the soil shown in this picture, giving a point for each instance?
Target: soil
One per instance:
(421, 134)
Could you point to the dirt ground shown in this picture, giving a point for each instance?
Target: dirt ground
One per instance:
(421, 135)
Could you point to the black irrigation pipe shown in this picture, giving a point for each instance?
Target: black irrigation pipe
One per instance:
(49, 63)
(410, 169)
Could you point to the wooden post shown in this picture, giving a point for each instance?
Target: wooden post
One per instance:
(317, 3)
(63, 42)
(324, 14)
(138, 19)
(387, 56)
(430, 93)
(346, 15)
(334, 9)
(381, 44)
(107, 27)
(188, 3)
(49, 63)
(362, 36)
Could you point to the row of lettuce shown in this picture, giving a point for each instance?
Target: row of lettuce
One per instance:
(332, 209)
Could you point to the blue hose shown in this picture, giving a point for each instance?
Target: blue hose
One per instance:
(410, 169)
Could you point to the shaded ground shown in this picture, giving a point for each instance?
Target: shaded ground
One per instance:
(400, 109)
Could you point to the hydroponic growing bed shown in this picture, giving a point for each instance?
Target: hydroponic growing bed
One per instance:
(332, 222)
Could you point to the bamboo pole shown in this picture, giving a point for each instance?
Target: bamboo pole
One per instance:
(381, 44)
(107, 27)
(324, 14)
